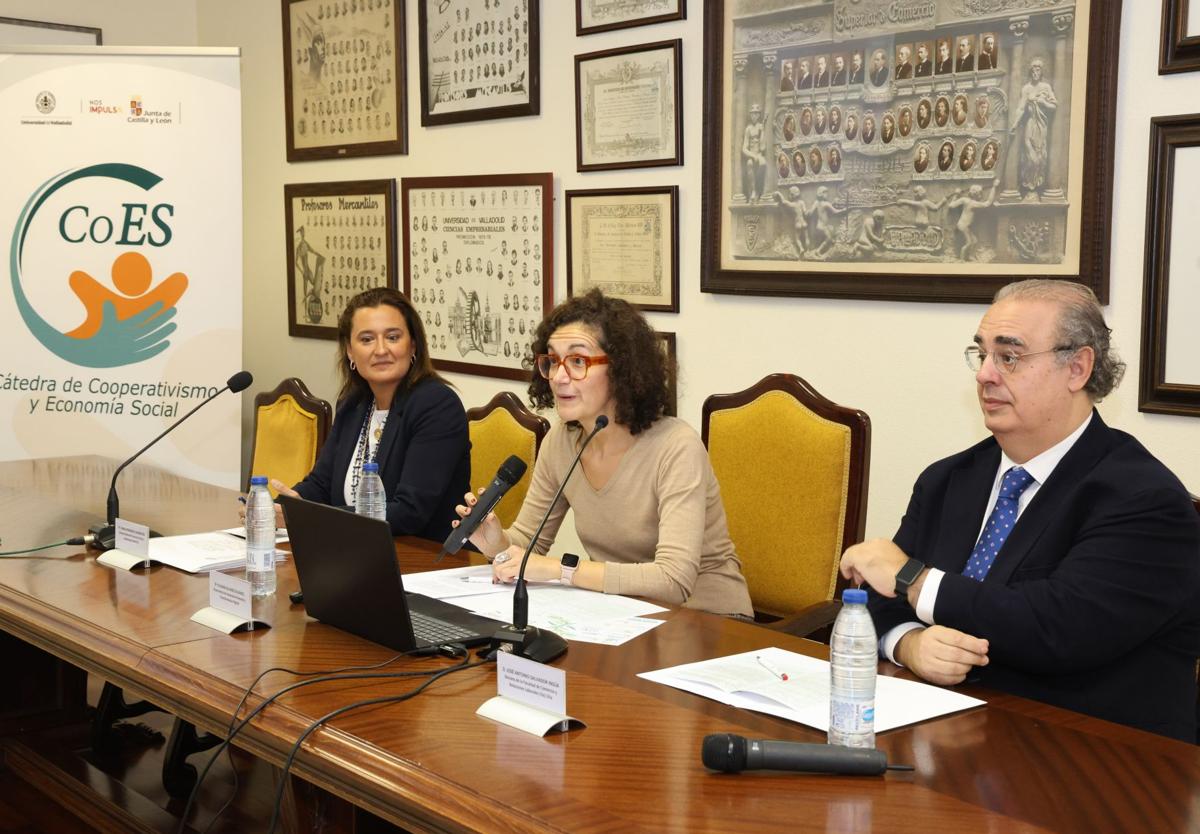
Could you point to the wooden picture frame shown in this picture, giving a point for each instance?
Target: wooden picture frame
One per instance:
(625, 241)
(1178, 51)
(592, 16)
(666, 340)
(1050, 213)
(629, 107)
(341, 241)
(475, 246)
(1171, 342)
(481, 66)
(344, 79)
(18, 31)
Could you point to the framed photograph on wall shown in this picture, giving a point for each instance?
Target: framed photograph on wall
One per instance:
(341, 241)
(1179, 48)
(933, 159)
(479, 265)
(626, 242)
(478, 61)
(1170, 378)
(593, 16)
(629, 107)
(667, 342)
(15, 31)
(344, 79)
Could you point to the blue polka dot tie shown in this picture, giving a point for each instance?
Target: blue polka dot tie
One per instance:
(999, 523)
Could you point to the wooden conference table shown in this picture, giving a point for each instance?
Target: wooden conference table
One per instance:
(432, 764)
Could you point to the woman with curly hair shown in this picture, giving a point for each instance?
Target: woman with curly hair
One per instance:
(647, 506)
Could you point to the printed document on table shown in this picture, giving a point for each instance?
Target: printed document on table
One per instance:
(202, 552)
(474, 580)
(750, 681)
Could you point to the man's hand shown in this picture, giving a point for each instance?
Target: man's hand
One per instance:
(941, 655)
(876, 563)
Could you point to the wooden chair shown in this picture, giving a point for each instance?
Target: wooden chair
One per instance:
(290, 426)
(501, 428)
(793, 469)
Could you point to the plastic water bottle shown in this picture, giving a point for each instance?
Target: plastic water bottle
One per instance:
(853, 665)
(371, 500)
(260, 538)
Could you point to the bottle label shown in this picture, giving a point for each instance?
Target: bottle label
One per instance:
(852, 716)
(260, 560)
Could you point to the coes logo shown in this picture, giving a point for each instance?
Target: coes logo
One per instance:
(121, 327)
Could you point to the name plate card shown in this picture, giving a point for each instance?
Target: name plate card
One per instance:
(532, 696)
(131, 547)
(230, 605)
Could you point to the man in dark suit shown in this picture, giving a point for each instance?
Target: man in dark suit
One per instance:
(879, 68)
(1057, 560)
(856, 68)
(924, 67)
(839, 70)
(987, 53)
(966, 58)
(904, 67)
(822, 78)
(804, 79)
(945, 63)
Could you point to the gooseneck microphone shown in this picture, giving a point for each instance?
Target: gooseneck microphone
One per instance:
(106, 533)
(520, 638)
(731, 753)
(511, 471)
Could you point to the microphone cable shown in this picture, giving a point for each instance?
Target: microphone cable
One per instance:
(71, 542)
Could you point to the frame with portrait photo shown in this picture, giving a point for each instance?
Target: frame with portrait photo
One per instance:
(479, 62)
(344, 78)
(1179, 46)
(1043, 208)
(629, 107)
(626, 242)
(592, 16)
(341, 241)
(479, 266)
(1169, 380)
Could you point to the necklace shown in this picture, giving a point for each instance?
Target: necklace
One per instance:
(364, 452)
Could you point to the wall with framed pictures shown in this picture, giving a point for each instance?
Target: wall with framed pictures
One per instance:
(724, 342)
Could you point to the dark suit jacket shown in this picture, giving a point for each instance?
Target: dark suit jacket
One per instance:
(1093, 603)
(964, 64)
(424, 459)
(987, 61)
(805, 82)
(856, 75)
(945, 66)
(924, 68)
(839, 77)
(879, 77)
(904, 71)
(821, 79)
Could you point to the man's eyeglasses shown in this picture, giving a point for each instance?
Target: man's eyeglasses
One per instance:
(1005, 360)
(577, 364)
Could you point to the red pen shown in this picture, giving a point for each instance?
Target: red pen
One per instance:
(781, 675)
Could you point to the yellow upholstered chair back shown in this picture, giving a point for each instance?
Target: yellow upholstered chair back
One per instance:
(792, 467)
(501, 428)
(290, 426)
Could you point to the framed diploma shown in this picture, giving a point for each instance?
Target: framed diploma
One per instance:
(1179, 49)
(479, 266)
(344, 78)
(340, 241)
(626, 242)
(629, 107)
(478, 61)
(593, 16)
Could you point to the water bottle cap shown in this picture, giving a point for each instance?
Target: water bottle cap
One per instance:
(258, 480)
(370, 466)
(852, 596)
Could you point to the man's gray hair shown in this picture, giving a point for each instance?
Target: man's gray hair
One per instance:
(1080, 324)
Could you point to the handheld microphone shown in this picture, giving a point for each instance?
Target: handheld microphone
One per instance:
(511, 471)
(731, 753)
(106, 533)
(520, 638)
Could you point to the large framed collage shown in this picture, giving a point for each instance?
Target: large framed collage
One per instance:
(904, 150)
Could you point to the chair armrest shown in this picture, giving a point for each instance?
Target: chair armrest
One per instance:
(817, 616)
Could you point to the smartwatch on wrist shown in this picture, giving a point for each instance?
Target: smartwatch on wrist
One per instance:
(907, 575)
(569, 564)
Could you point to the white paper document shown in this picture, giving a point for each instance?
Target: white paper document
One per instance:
(750, 681)
(202, 552)
(474, 580)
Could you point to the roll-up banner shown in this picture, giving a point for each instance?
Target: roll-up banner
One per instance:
(121, 227)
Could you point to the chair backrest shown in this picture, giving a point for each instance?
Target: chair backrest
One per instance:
(501, 428)
(290, 426)
(793, 469)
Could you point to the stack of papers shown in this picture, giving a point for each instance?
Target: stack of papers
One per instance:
(751, 681)
(203, 552)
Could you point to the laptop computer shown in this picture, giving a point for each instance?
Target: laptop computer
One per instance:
(351, 580)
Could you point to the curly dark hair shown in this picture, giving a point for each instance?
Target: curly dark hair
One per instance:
(422, 367)
(638, 368)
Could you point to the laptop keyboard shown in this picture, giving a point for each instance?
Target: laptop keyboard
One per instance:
(436, 632)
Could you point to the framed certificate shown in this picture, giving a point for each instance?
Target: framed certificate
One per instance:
(593, 16)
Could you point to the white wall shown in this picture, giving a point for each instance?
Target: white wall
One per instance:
(899, 362)
(124, 22)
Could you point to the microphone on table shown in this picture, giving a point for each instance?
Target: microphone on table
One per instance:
(520, 638)
(511, 471)
(731, 753)
(106, 533)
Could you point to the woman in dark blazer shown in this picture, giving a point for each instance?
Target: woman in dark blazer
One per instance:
(395, 409)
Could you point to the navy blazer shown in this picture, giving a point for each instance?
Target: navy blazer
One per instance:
(424, 459)
(1093, 603)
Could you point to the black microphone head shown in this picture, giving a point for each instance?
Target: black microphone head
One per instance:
(240, 381)
(725, 752)
(512, 470)
(601, 422)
